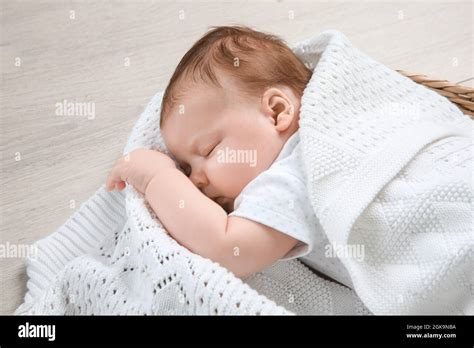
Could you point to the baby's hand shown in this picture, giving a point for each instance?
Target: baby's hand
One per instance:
(137, 169)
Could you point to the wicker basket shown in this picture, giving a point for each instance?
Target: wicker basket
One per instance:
(462, 96)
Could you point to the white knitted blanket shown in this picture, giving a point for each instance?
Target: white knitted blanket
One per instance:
(389, 168)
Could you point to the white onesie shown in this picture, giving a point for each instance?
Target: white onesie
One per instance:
(278, 198)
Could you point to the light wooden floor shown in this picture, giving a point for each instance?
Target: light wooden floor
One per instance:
(64, 159)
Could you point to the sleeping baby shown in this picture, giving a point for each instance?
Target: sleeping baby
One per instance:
(230, 119)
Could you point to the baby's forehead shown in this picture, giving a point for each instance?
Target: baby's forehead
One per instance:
(201, 104)
(198, 99)
(226, 89)
(191, 116)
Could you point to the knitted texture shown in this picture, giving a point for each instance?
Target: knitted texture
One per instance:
(390, 168)
(393, 179)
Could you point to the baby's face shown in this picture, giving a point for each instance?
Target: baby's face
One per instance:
(221, 140)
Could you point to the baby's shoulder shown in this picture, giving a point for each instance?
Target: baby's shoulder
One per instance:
(284, 177)
(291, 166)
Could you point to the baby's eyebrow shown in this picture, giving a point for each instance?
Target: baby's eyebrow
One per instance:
(194, 142)
(196, 139)
(183, 163)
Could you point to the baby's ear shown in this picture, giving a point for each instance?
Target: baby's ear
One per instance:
(279, 107)
(285, 119)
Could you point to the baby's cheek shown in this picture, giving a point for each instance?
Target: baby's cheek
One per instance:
(227, 177)
(222, 174)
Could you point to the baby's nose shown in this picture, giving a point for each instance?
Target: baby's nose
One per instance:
(199, 180)
(204, 186)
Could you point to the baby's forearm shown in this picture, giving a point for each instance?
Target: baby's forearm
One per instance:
(194, 220)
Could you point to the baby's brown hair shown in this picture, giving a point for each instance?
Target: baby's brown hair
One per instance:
(258, 61)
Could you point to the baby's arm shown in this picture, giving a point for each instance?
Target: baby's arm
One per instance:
(197, 222)
(194, 220)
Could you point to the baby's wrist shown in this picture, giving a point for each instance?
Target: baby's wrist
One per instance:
(158, 176)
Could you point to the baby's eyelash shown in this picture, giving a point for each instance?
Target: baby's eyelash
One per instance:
(212, 149)
(187, 168)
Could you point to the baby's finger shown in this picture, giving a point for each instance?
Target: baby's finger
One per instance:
(108, 183)
(120, 186)
(113, 178)
(119, 174)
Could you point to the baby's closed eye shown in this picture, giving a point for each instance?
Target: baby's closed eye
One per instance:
(211, 149)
